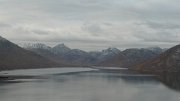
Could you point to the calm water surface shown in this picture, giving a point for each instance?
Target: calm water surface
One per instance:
(85, 84)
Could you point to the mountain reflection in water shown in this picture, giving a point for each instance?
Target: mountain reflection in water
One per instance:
(171, 80)
(88, 85)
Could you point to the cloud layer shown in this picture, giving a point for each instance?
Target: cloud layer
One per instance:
(92, 24)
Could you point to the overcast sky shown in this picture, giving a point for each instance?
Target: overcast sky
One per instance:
(92, 24)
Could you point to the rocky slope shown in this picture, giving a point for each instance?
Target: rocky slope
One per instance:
(169, 61)
(132, 56)
(15, 57)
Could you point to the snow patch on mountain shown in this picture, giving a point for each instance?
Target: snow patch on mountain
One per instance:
(110, 52)
(36, 46)
(60, 48)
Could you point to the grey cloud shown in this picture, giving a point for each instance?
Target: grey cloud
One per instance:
(166, 10)
(28, 34)
(2, 25)
(121, 23)
(40, 32)
(107, 24)
(94, 29)
(161, 25)
(160, 36)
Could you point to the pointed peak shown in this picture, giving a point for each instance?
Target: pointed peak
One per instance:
(61, 47)
(111, 49)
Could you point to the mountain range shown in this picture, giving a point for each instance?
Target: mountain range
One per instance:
(75, 57)
(108, 57)
(39, 55)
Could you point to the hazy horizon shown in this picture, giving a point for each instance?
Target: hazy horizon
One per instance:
(25, 44)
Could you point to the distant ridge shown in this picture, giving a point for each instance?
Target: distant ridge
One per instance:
(108, 57)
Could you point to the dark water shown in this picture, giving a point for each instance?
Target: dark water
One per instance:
(82, 84)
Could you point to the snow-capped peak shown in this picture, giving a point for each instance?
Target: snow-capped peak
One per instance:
(113, 50)
(37, 46)
(155, 49)
(61, 48)
(110, 51)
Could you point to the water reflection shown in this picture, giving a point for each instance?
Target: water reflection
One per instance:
(109, 75)
(171, 80)
(91, 85)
